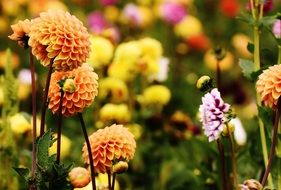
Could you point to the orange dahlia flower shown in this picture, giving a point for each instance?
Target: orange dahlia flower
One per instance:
(269, 86)
(60, 36)
(21, 31)
(79, 177)
(80, 87)
(109, 144)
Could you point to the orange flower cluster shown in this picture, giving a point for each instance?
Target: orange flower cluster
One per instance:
(55, 35)
(21, 32)
(108, 144)
(84, 88)
(269, 86)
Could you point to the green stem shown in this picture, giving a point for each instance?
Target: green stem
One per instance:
(273, 144)
(257, 48)
(34, 128)
(91, 160)
(45, 98)
(223, 169)
(233, 160)
(218, 72)
(59, 128)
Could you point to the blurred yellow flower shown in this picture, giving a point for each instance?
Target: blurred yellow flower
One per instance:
(19, 123)
(127, 52)
(156, 94)
(240, 42)
(3, 24)
(9, 7)
(111, 13)
(35, 7)
(146, 16)
(122, 71)
(1, 95)
(225, 64)
(135, 129)
(188, 26)
(101, 51)
(115, 112)
(15, 60)
(114, 89)
(65, 146)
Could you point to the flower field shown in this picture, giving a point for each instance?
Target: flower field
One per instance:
(140, 94)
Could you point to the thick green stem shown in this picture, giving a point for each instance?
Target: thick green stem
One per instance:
(59, 128)
(279, 54)
(34, 128)
(273, 144)
(91, 160)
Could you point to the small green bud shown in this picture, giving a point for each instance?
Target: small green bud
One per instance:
(120, 167)
(228, 128)
(204, 83)
(69, 85)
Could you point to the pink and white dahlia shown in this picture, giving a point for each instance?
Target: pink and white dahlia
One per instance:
(213, 114)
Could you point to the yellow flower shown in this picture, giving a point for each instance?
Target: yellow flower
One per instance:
(188, 26)
(127, 52)
(111, 13)
(146, 16)
(135, 129)
(240, 42)
(108, 145)
(20, 124)
(101, 51)
(225, 64)
(65, 146)
(150, 48)
(123, 71)
(113, 88)
(157, 94)
(112, 112)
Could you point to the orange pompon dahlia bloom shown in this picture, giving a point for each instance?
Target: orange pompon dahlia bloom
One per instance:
(80, 87)
(110, 144)
(269, 86)
(21, 31)
(60, 36)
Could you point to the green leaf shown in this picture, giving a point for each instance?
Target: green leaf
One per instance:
(247, 67)
(246, 17)
(23, 172)
(42, 153)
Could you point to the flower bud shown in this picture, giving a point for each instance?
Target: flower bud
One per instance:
(204, 83)
(228, 128)
(120, 167)
(219, 53)
(252, 184)
(69, 85)
(79, 177)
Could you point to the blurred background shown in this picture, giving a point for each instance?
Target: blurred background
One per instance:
(169, 44)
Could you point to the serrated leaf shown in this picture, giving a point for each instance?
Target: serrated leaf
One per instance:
(247, 67)
(23, 172)
(42, 153)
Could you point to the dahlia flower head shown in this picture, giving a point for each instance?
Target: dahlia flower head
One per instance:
(113, 143)
(55, 35)
(80, 88)
(213, 114)
(172, 12)
(269, 86)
